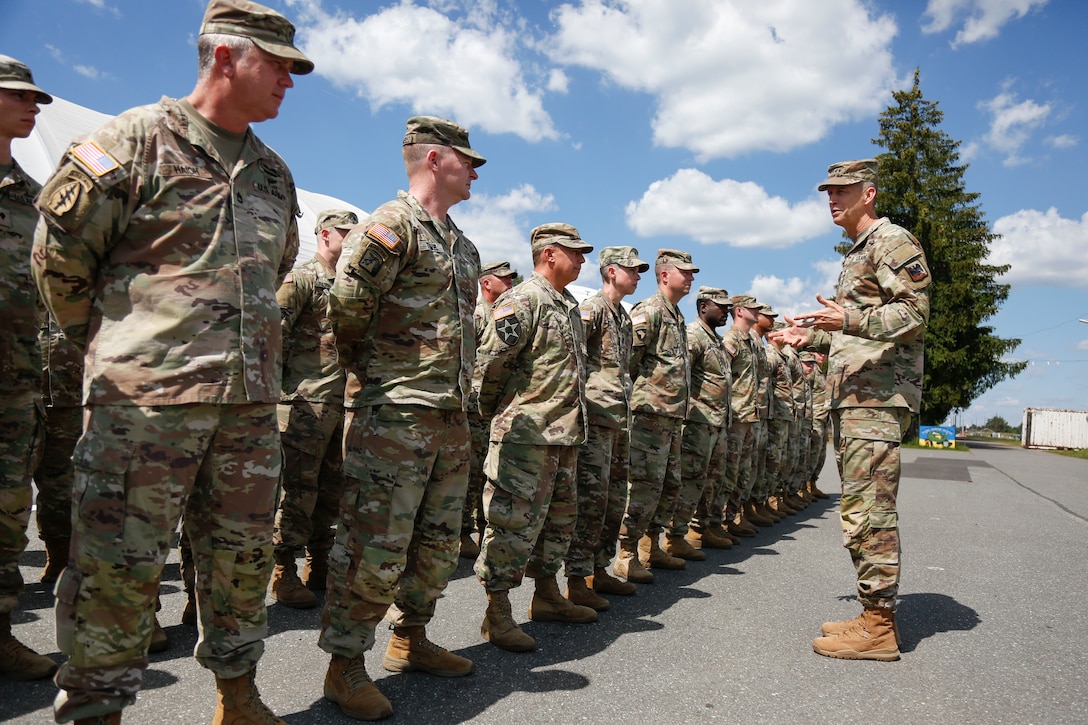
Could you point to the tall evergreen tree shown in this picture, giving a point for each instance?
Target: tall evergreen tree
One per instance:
(922, 190)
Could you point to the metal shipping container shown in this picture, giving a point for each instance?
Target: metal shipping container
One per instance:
(1049, 428)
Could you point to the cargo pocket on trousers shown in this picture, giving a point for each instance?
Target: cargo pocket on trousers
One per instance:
(518, 475)
(67, 593)
(99, 490)
(883, 519)
(376, 480)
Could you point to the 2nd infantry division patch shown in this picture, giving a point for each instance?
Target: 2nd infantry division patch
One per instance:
(507, 326)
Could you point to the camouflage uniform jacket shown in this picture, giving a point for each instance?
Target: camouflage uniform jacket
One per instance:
(310, 369)
(62, 367)
(821, 394)
(20, 362)
(876, 361)
(608, 351)
(480, 317)
(798, 383)
(164, 265)
(764, 375)
(781, 381)
(531, 371)
(401, 309)
(711, 377)
(660, 368)
(742, 364)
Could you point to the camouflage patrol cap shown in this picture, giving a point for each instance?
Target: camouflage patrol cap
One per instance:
(15, 76)
(558, 233)
(807, 356)
(622, 257)
(714, 294)
(765, 309)
(780, 325)
(338, 218)
(745, 301)
(846, 173)
(431, 129)
(677, 258)
(499, 269)
(269, 31)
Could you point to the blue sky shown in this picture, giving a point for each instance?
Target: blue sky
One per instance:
(702, 125)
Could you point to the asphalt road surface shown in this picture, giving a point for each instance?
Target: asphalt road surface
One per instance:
(992, 613)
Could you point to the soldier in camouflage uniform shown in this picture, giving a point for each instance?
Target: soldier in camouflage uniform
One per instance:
(662, 377)
(779, 417)
(821, 409)
(311, 418)
(874, 330)
(531, 377)
(705, 444)
(21, 409)
(759, 511)
(164, 236)
(744, 388)
(495, 278)
(401, 310)
(604, 458)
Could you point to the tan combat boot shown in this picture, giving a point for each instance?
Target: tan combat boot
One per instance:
(708, 539)
(287, 588)
(499, 627)
(160, 640)
(768, 512)
(724, 531)
(17, 661)
(315, 572)
(652, 557)
(349, 686)
(678, 547)
(549, 605)
(579, 593)
(469, 548)
(796, 500)
(239, 703)
(740, 526)
(815, 491)
(754, 514)
(56, 558)
(629, 567)
(830, 629)
(871, 638)
(188, 614)
(604, 583)
(409, 650)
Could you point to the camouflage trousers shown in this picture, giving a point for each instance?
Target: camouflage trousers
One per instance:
(20, 438)
(714, 441)
(313, 437)
(699, 444)
(793, 459)
(55, 476)
(818, 448)
(603, 462)
(406, 471)
(867, 450)
(777, 449)
(655, 474)
(137, 470)
(531, 506)
(757, 471)
(738, 467)
(472, 518)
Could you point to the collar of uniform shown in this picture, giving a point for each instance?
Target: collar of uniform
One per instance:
(864, 236)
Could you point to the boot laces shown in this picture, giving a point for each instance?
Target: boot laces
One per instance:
(355, 673)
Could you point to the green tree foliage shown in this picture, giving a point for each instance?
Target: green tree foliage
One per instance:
(921, 189)
(998, 425)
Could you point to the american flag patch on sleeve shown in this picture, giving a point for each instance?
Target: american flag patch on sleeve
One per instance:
(94, 158)
(381, 233)
(638, 319)
(504, 311)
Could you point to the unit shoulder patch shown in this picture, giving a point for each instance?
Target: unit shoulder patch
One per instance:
(507, 325)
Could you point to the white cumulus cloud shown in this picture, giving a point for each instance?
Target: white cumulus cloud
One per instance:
(1042, 247)
(732, 76)
(494, 224)
(795, 295)
(982, 19)
(465, 67)
(738, 213)
(1013, 123)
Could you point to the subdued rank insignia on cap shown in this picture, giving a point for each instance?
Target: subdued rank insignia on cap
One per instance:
(917, 271)
(507, 326)
(381, 233)
(94, 158)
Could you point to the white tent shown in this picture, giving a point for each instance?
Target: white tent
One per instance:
(61, 121)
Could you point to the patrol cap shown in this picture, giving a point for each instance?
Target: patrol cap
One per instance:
(622, 257)
(745, 301)
(15, 76)
(714, 294)
(807, 356)
(499, 269)
(845, 173)
(338, 218)
(780, 325)
(431, 129)
(677, 258)
(269, 31)
(765, 309)
(558, 233)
